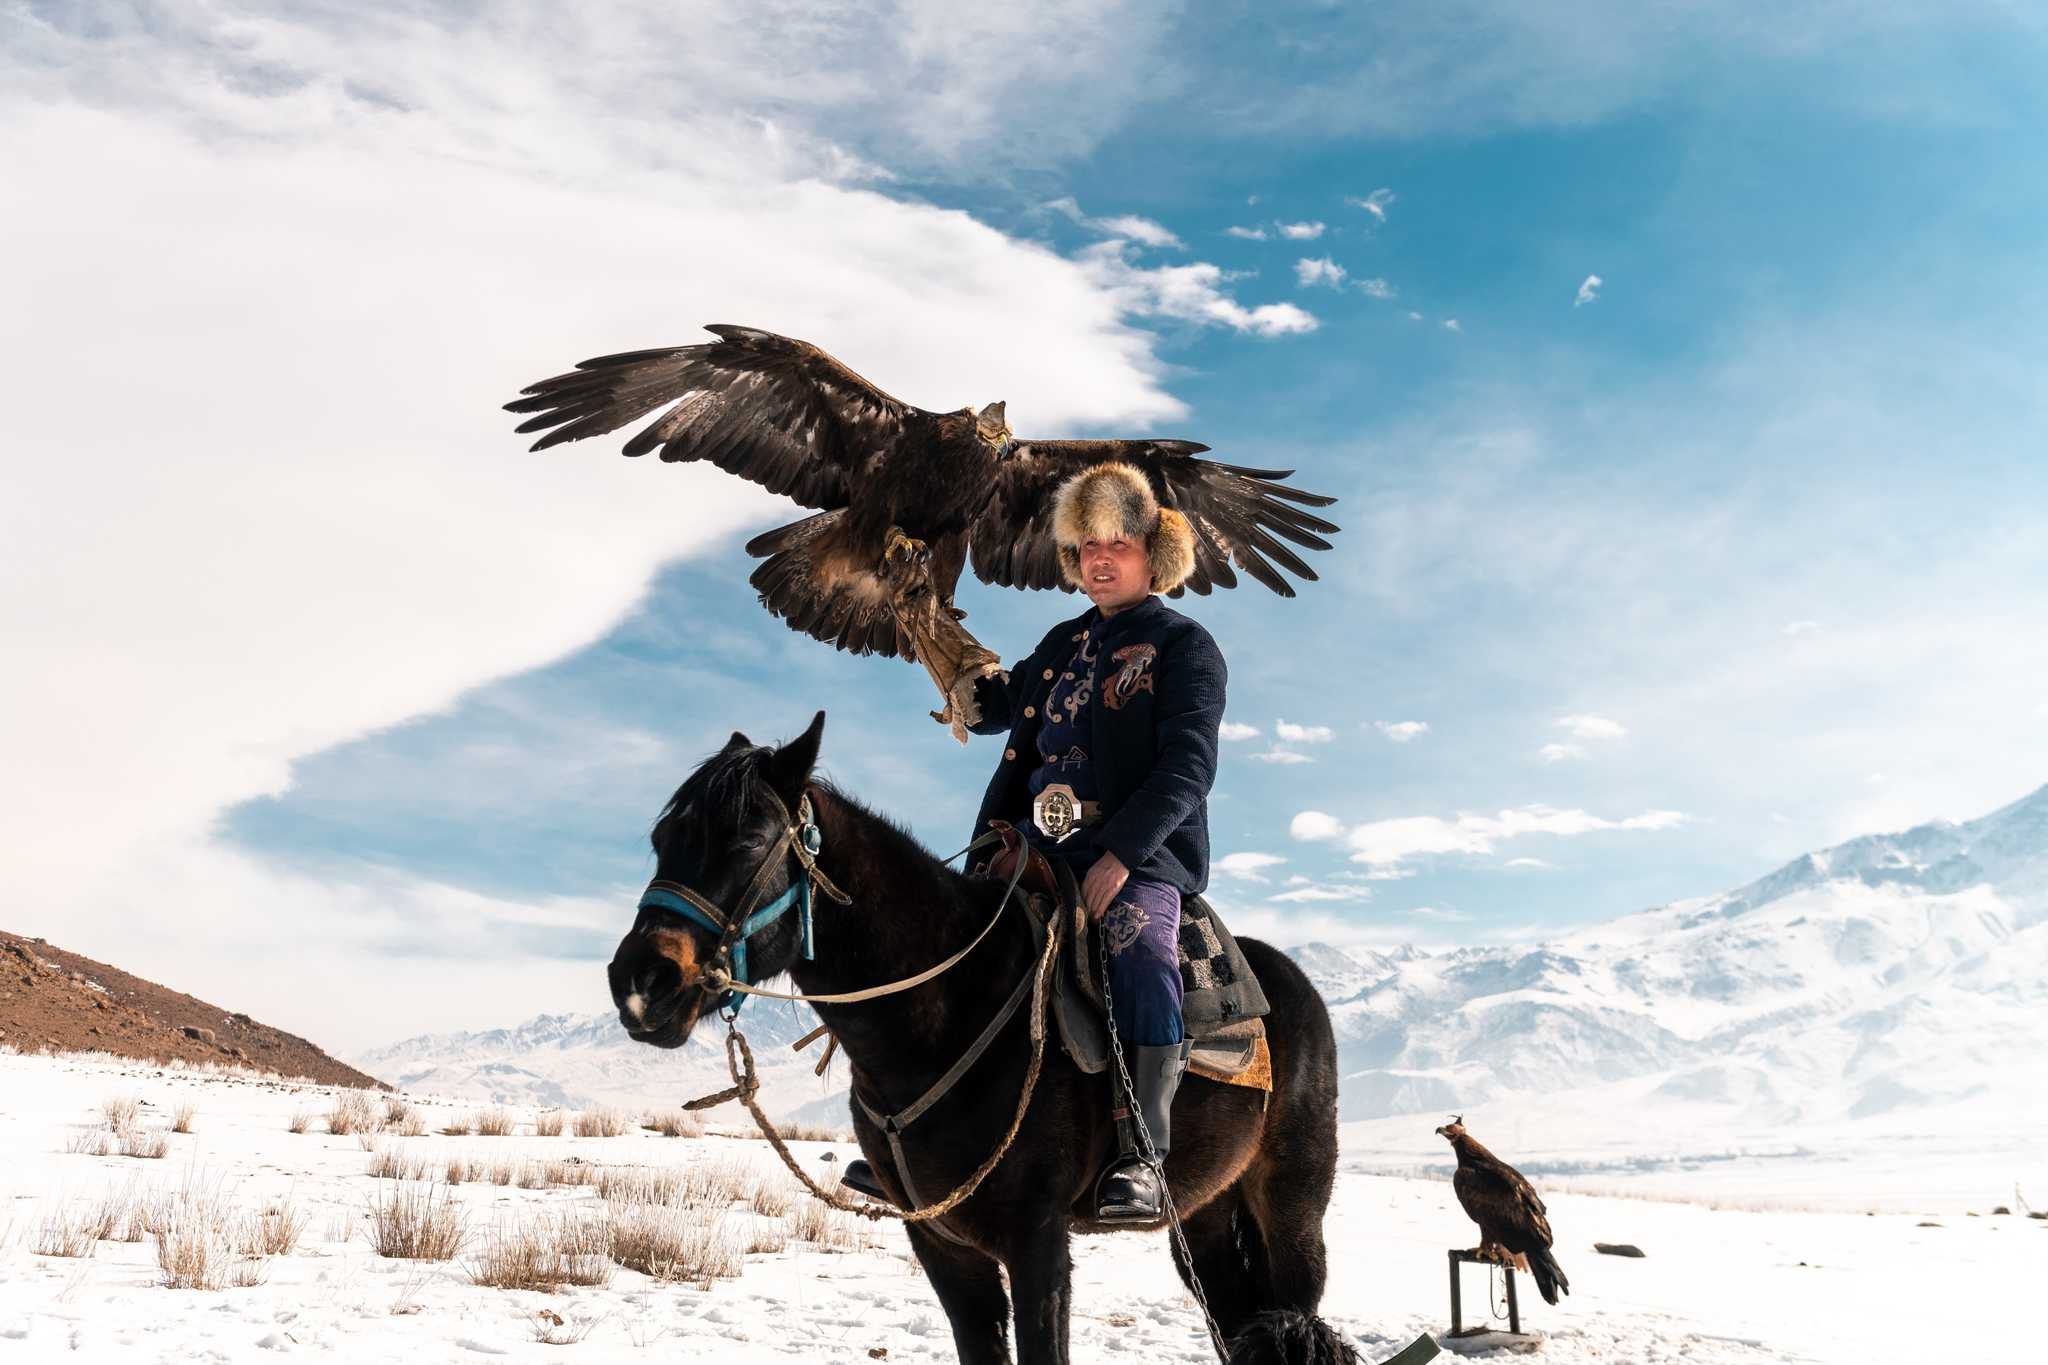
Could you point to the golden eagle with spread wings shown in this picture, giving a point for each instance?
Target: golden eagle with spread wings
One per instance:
(897, 484)
(1513, 1226)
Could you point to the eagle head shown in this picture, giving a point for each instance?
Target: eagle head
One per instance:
(991, 426)
(1453, 1130)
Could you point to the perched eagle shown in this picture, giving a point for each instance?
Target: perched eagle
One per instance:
(892, 481)
(1507, 1208)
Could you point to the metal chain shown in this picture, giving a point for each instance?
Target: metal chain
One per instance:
(1145, 1147)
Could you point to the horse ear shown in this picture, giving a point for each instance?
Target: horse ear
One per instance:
(790, 766)
(738, 741)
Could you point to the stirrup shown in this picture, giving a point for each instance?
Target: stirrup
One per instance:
(859, 1177)
(1131, 1190)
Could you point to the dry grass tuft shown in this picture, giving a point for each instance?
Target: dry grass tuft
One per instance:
(89, 1142)
(456, 1171)
(395, 1109)
(302, 1119)
(668, 1245)
(552, 1329)
(493, 1122)
(571, 1173)
(411, 1124)
(197, 1246)
(150, 1145)
(459, 1128)
(770, 1198)
(547, 1123)
(499, 1172)
(810, 1132)
(640, 1185)
(66, 1231)
(273, 1232)
(386, 1164)
(718, 1183)
(601, 1122)
(825, 1227)
(354, 1111)
(182, 1116)
(545, 1253)
(121, 1111)
(674, 1123)
(416, 1222)
(533, 1175)
(767, 1238)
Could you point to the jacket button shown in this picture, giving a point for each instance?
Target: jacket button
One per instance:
(1030, 711)
(1048, 675)
(1009, 755)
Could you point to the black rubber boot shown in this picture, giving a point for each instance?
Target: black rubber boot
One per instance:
(860, 1178)
(1133, 1189)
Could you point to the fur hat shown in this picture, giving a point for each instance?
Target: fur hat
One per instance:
(1114, 499)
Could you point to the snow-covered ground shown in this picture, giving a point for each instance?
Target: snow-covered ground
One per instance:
(1730, 1285)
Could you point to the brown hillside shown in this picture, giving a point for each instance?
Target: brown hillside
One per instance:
(53, 999)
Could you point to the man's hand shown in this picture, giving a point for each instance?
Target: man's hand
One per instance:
(1105, 879)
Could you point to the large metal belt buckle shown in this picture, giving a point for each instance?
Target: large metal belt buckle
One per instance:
(1056, 811)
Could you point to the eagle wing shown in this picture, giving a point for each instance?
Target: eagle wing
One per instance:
(768, 408)
(1503, 1203)
(1240, 516)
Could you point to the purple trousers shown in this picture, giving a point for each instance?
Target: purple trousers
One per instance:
(1142, 927)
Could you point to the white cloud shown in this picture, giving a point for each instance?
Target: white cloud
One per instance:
(1451, 325)
(1249, 867)
(1401, 731)
(1321, 892)
(1185, 293)
(1438, 913)
(1375, 203)
(1300, 232)
(1415, 317)
(1376, 287)
(1128, 226)
(1592, 727)
(1561, 753)
(1318, 271)
(1283, 757)
(1588, 291)
(1795, 629)
(1314, 826)
(1250, 234)
(1391, 842)
(1232, 731)
(1533, 864)
(1289, 733)
(384, 272)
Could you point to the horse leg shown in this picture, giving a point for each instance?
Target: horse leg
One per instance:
(1286, 1197)
(1228, 1259)
(970, 1289)
(1040, 1262)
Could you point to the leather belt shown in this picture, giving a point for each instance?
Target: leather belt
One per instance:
(1057, 812)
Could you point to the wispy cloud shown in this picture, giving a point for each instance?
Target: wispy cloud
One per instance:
(1451, 325)
(1561, 753)
(1250, 234)
(1321, 270)
(1314, 826)
(1283, 757)
(1289, 733)
(1247, 867)
(1127, 226)
(1533, 864)
(1321, 893)
(1376, 288)
(1186, 293)
(1401, 731)
(1233, 730)
(1592, 727)
(1415, 317)
(1384, 844)
(1437, 913)
(1589, 290)
(1795, 629)
(1377, 203)
(1300, 232)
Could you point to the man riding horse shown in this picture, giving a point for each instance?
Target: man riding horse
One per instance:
(1112, 731)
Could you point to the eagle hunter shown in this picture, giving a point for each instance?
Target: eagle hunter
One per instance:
(900, 490)
(1513, 1228)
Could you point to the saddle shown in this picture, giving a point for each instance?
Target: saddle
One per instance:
(1222, 1007)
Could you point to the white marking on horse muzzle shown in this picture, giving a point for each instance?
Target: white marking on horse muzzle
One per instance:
(636, 1005)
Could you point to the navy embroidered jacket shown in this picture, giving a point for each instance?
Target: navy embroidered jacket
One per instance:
(1159, 684)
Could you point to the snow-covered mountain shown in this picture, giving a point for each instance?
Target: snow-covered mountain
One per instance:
(1889, 976)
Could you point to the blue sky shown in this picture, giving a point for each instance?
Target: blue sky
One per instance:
(1731, 555)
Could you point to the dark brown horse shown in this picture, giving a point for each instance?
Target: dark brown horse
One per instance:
(1251, 1177)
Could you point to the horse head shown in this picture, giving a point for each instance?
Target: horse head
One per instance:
(723, 837)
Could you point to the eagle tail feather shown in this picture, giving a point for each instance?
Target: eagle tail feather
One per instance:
(1548, 1274)
(817, 583)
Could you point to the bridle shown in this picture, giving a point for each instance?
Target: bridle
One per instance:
(726, 968)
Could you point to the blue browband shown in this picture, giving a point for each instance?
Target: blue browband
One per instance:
(682, 900)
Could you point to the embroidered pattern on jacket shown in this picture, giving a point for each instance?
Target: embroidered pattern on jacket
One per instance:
(1133, 664)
